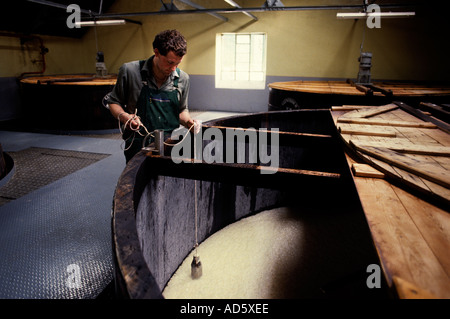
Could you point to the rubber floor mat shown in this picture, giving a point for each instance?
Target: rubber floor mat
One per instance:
(55, 233)
(36, 167)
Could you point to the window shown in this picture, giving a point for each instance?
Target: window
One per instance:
(241, 60)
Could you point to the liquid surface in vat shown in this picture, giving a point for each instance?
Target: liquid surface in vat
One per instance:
(256, 257)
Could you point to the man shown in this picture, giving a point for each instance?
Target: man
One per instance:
(152, 94)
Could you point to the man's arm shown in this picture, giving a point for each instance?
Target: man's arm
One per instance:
(185, 119)
(119, 96)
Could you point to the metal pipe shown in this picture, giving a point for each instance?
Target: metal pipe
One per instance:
(61, 6)
(192, 4)
(224, 10)
(257, 9)
(159, 141)
(90, 13)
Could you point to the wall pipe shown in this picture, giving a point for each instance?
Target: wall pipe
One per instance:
(43, 50)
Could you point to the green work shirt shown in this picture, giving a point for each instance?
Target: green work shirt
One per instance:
(129, 84)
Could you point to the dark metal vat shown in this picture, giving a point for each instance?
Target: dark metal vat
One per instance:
(280, 99)
(325, 94)
(67, 102)
(153, 210)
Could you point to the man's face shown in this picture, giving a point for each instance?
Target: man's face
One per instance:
(168, 63)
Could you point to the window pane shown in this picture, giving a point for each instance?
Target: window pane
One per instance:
(243, 38)
(228, 52)
(240, 61)
(242, 76)
(242, 67)
(228, 76)
(256, 76)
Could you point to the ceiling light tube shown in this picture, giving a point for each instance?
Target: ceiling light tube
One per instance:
(234, 4)
(99, 23)
(364, 15)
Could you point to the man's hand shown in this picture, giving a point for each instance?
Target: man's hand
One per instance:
(133, 122)
(187, 121)
(197, 126)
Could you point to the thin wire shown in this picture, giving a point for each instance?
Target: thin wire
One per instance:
(196, 218)
(364, 29)
(362, 42)
(96, 37)
(137, 130)
(195, 203)
(101, 7)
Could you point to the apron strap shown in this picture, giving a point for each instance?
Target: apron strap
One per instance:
(144, 75)
(175, 82)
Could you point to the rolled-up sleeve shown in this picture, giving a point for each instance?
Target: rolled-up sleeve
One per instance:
(119, 93)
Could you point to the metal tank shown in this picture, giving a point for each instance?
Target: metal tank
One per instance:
(71, 102)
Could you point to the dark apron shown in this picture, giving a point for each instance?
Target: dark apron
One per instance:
(158, 110)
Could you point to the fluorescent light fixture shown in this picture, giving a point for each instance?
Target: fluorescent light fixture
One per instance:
(234, 4)
(364, 15)
(99, 23)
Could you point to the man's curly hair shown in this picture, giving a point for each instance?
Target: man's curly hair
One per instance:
(170, 40)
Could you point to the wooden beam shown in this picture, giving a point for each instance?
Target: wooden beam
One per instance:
(437, 111)
(421, 149)
(248, 167)
(368, 91)
(365, 170)
(407, 290)
(366, 132)
(386, 92)
(381, 122)
(440, 124)
(429, 171)
(263, 130)
(349, 107)
(369, 112)
(285, 138)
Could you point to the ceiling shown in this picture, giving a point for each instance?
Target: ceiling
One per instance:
(45, 17)
(27, 17)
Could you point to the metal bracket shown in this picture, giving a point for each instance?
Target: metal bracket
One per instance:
(168, 6)
(273, 4)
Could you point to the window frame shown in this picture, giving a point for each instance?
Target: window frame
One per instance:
(221, 65)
